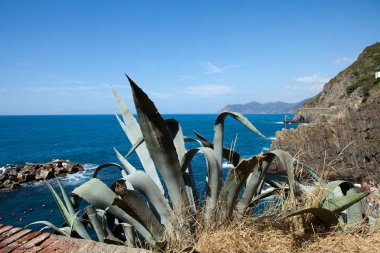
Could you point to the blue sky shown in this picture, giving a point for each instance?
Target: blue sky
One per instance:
(60, 57)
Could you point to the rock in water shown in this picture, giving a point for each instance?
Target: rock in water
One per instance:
(46, 174)
(15, 175)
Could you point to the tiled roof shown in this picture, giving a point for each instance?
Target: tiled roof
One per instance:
(17, 240)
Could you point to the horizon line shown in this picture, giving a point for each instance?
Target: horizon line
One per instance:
(106, 114)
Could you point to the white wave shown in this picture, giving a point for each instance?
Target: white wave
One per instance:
(279, 122)
(227, 165)
(79, 177)
(3, 169)
(70, 179)
(272, 138)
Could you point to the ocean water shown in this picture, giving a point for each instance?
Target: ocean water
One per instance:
(89, 140)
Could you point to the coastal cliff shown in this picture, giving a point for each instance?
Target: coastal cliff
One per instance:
(342, 133)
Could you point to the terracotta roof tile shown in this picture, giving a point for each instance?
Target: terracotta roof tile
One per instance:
(19, 240)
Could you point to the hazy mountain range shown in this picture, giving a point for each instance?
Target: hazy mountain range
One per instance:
(264, 108)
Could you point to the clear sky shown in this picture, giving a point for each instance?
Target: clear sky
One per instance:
(60, 57)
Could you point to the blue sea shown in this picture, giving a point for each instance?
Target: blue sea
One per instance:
(89, 140)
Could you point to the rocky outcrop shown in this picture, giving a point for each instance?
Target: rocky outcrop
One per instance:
(13, 176)
(348, 89)
(342, 136)
(346, 145)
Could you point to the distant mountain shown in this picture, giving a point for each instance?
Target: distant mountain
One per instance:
(265, 108)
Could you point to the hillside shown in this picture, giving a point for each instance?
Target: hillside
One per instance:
(264, 108)
(343, 134)
(349, 88)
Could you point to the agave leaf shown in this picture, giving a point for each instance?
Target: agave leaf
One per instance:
(354, 212)
(228, 154)
(143, 183)
(105, 165)
(129, 167)
(301, 189)
(213, 180)
(134, 204)
(252, 185)
(133, 132)
(123, 182)
(339, 204)
(203, 140)
(232, 156)
(62, 231)
(62, 208)
(274, 183)
(234, 181)
(96, 193)
(96, 224)
(325, 216)
(76, 224)
(287, 162)
(179, 143)
(70, 218)
(328, 191)
(254, 180)
(263, 195)
(145, 217)
(191, 139)
(219, 131)
(128, 233)
(310, 170)
(134, 147)
(106, 221)
(68, 203)
(161, 148)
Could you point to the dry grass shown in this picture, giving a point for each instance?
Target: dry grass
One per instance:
(295, 234)
(269, 234)
(254, 236)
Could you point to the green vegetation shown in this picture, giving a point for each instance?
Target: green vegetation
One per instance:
(314, 100)
(366, 83)
(362, 71)
(368, 62)
(136, 210)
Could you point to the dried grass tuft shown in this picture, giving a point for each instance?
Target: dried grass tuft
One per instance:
(267, 234)
(252, 235)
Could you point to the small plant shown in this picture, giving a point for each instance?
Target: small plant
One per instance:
(136, 210)
(365, 83)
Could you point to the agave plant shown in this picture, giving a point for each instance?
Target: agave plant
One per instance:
(146, 207)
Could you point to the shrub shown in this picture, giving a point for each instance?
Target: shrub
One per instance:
(366, 83)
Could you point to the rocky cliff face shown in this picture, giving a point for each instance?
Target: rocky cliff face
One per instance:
(343, 133)
(350, 88)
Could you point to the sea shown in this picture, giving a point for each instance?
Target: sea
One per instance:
(90, 140)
